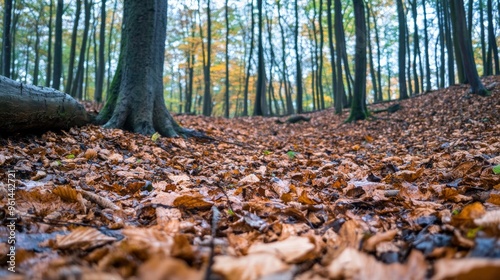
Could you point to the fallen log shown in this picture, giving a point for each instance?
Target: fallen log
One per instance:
(32, 108)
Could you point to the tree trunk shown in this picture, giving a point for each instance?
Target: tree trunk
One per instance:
(403, 94)
(426, 50)
(320, 56)
(100, 68)
(32, 109)
(370, 58)
(288, 94)
(139, 105)
(260, 106)
(48, 75)
(72, 52)
(341, 55)
(56, 75)
(36, 70)
(226, 94)
(449, 42)
(492, 42)
(298, 73)
(358, 104)
(6, 39)
(336, 99)
(249, 66)
(207, 96)
(477, 86)
(76, 89)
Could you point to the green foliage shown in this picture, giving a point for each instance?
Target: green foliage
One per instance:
(155, 137)
(291, 154)
(496, 169)
(472, 233)
(266, 152)
(70, 156)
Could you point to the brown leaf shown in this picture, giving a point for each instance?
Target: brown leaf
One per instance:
(83, 238)
(196, 201)
(250, 267)
(294, 249)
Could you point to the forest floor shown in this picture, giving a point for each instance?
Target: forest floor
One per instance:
(410, 195)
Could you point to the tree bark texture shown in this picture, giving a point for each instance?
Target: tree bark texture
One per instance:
(32, 108)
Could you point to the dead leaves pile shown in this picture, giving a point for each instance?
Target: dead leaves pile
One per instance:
(410, 196)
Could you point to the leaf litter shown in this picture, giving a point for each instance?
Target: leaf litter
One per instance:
(410, 195)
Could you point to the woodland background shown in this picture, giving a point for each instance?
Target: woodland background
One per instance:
(212, 50)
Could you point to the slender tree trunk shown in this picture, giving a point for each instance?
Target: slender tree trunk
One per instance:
(288, 94)
(426, 50)
(108, 83)
(72, 52)
(320, 56)
(492, 41)
(370, 57)
(403, 94)
(340, 40)
(336, 97)
(297, 62)
(207, 97)
(442, 45)
(260, 107)
(449, 42)
(58, 46)
(48, 75)
(102, 43)
(460, 67)
(477, 86)
(77, 85)
(6, 38)
(226, 95)
(358, 105)
(249, 66)
(486, 70)
(416, 45)
(36, 70)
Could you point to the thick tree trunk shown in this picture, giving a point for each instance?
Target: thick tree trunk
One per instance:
(139, 104)
(32, 108)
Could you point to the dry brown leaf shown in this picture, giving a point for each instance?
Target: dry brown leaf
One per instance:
(99, 200)
(463, 269)
(352, 264)
(66, 193)
(294, 249)
(82, 238)
(250, 179)
(370, 245)
(167, 268)
(195, 201)
(250, 267)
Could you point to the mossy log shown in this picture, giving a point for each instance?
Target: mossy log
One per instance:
(29, 108)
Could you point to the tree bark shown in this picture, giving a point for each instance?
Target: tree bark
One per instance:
(477, 86)
(100, 68)
(337, 101)
(298, 66)
(139, 104)
(403, 94)
(358, 105)
(6, 39)
(72, 52)
(56, 75)
(28, 108)
(226, 94)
